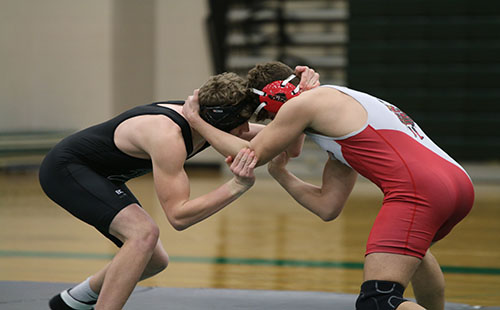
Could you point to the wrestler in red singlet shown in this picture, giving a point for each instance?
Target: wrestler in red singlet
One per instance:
(426, 192)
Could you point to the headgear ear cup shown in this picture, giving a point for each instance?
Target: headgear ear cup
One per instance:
(275, 94)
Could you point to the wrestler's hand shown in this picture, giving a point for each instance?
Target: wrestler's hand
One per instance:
(191, 107)
(309, 78)
(242, 167)
(278, 163)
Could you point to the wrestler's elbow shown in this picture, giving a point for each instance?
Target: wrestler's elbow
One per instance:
(330, 213)
(328, 217)
(179, 225)
(177, 221)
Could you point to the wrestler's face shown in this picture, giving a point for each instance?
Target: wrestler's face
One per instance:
(240, 130)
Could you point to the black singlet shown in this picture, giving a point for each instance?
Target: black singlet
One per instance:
(96, 148)
(85, 173)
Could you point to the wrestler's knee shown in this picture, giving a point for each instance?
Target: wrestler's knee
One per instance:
(135, 227)
(382, 295)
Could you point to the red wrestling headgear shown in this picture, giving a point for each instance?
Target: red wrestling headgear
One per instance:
(275, 94)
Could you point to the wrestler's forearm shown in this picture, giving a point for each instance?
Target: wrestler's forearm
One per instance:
(305, 194)
(196, 210)
(327, 200)
(223, 142)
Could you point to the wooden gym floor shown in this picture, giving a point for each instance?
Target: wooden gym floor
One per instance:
(263, 250)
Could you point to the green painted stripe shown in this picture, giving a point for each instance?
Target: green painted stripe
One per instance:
(267, 262)
(471, 270)
(242, 261)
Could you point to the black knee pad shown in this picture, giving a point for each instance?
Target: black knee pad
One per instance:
(380, 295)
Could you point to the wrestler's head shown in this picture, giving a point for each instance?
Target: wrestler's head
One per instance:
(225, 102)
(272, 84)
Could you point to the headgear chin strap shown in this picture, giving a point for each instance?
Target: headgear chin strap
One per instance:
(275, 94)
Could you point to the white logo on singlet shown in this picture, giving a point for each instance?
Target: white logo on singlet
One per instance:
(119, 192)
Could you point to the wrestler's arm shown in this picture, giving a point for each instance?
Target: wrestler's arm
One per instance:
(293, 150)
(172, 183)
(309, 79)
(327, 200)
(253, 130)
(229, 145)
(287, 128)
(285, 132)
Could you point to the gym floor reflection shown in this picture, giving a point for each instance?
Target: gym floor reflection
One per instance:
(264, 240)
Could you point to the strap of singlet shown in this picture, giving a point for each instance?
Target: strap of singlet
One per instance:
(181, 102)
(181, 121)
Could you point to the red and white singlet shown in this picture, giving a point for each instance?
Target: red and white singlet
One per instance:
(426, 192)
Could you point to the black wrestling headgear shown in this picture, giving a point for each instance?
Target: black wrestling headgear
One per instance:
(224, 118)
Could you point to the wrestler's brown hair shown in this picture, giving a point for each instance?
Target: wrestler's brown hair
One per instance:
(226, 89)
(262, 74)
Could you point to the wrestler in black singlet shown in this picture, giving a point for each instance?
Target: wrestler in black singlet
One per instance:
(85, 173)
